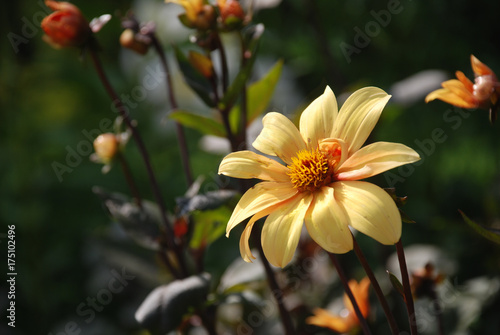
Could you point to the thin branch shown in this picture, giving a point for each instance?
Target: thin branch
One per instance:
(376, 288)
(407, 289)
(348, 291)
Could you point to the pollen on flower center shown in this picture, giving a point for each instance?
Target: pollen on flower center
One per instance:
(310, 170)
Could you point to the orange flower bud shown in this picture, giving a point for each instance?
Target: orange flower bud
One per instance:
(128, 40)
(199, 14)
(231, 13)
(106, 147)
(66, 27)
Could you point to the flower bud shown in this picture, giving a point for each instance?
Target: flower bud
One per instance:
(199, 14)
(66, 27)
(231, 13)
(129, 40)
(106, 147)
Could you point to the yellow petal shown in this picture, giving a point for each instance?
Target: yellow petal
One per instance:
(370, 210)
(248, 164)
(316, 122)
(457, 87)
(327, 223)
(245, 251)
(358, 116)
(376, 158)
(258, 198)
(323, 318)
(281, 231)
(279, 137)
(449, 97)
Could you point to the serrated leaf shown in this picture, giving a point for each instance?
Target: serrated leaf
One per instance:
(141, 224)
(201, 123)
(259, 96)
(195, 79)
(163, 309)
(253, 36)
(490, 233)
(209, 200)
(396, 283)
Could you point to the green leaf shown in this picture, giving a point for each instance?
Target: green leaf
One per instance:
(253, 35)
(259, 96)
(396, 283)
(201, 123)
(490, 233)
(209, 226)
(142, 224)
(163, 309)
(195, 79)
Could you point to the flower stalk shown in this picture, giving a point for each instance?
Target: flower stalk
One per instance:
(348, 291)
(378, 291)
(408, 297)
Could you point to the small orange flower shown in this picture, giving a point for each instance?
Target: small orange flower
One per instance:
(463, 93)
(66, 27)
(344, 324)
(424, 282)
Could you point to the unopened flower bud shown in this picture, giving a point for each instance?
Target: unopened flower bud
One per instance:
(199, 14)
(129, 40)
(106, 147)
(66, 27)
(231, 13)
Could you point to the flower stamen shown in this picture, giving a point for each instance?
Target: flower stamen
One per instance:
(310, 170)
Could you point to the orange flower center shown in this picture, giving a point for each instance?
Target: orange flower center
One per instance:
(311, 170)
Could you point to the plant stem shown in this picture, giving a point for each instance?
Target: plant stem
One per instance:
(130, 180)
(273, 284)
(181, 137)
(145, 156)
(376, 287)
(223, 60)
(408, 297)
(348, 291)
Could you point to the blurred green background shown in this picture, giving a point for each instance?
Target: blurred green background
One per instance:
(66, 247)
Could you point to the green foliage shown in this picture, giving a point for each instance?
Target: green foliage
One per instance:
(489, 233)
(203, 124)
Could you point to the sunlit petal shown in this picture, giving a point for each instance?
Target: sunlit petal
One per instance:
(459, 89)
(317, 120)
(248, 164)
(327, 223)
(323, 318)
(374, 159)
(479, 68)
(281, 231)
(370, 210)
(358, 116)
(279, 137)
(245, 251)
(468, 84)
(449, 97)
(258, 198)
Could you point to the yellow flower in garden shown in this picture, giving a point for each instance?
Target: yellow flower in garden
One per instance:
(320, 183)
(344, 324)
(463, 93)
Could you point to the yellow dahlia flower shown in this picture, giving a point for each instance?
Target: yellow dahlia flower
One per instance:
(319, 184)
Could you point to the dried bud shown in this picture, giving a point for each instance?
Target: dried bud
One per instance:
(66, 27)
(201, 63)
(129, 40)
(106, 147)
